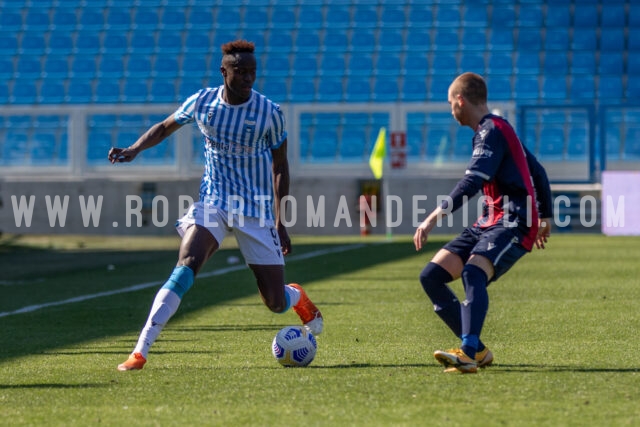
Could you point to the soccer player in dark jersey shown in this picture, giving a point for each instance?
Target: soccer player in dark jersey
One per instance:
(516, 215)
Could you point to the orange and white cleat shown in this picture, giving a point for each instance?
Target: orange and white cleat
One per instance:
(308, 312)
(135, 361)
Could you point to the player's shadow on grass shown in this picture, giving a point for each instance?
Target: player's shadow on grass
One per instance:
(39, 331)
(46, 386)
(502, 368)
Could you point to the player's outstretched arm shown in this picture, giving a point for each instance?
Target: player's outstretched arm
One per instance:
(154, 136)
(544, 231)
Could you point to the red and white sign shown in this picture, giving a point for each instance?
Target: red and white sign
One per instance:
(398, 150)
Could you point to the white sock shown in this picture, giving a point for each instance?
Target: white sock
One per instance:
(164, 306)
(293, 294)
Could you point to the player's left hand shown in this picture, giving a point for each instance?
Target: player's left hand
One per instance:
(544, 231)
(285, 241)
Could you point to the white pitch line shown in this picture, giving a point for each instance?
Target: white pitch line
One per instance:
(140, 286)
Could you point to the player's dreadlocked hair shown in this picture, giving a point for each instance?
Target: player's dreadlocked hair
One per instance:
(237, 46)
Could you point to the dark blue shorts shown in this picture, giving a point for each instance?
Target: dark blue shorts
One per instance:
(498, 243)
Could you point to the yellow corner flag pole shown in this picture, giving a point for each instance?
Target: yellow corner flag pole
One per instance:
(379, 152)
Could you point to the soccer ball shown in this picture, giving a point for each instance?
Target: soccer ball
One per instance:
(294, 346)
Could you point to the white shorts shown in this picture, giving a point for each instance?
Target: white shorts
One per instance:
(257, 238)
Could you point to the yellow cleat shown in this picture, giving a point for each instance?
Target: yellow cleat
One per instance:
(456, 360)
(484, 358)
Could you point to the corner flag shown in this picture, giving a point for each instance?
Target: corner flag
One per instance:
(376, 160)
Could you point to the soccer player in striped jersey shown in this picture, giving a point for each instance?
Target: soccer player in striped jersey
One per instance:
(246, 176)
(516, 215)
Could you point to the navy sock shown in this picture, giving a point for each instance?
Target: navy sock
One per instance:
(434, 281)
(474, 308)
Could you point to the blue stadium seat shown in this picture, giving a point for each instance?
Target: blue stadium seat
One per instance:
(633, 89)
(15, 151)
(358, 89)
(385, 89)
(24, 92)
(10, 21)
(138, 66)
(194, 66)
(633, 42)
(610, 88)
(255, 35)
(416, 63)
(87, 43)
(634, 17)
(107, 91)
(144, 18)
(585, 15)
(500, 63)
(528, 62)
(557, 16)
(472, 61)
(60, 43)
(28, 67)
(330, 89)
(633, 65)
(225, 35)
(52, 92)
(556, 39)
(611, 63)
(324, 144)
(361, 64)
(475, 16)
(474, 39)
(444, 64)
(331, 64)
(114, 43)
(142, 43)
(335, 40)
(446, 39)
(135, 90)
(227, 16)
(583, 88)
(556, 63)
(310, 16)
(388, 63)
(91, 19)
(169, 42)
(363, 40)
(420, 16)
(99, 142)
(275, 88)
(438, 143)
(174, 18)
(80, 91)
(277, 64)
(448, 16)
(165, 67)
(36, 20)
(583, 62)
(255, 16)
(110, 66)
(415, 139)
(414, 88)
(353, 144)
(120, 19)
(279, 40)
(283, 17)
(526, 88)
(499, 88)
(42, 148)
(612, 39)
(187, 87)
(554, 87)
(390, 39)
(303, 89)
(631, 149)
(393, 16)
(195, 43)
(364, 16)
(338, 16)
(551, 143)
(163, 91)
(32, 43)
(529, 39)
(501, 39)
(83, 67)
(584, 39)
(307, 41)
(462, 148)
(577, 143)
(419, 38)
(613, 15)
(200, 18)
(530, 16)
(439, 87)
(6, 68)
(503, 17)
(64, 19)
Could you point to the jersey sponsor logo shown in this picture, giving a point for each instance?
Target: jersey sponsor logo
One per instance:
(482, 152)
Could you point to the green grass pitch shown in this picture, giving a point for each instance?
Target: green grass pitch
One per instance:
(563, 325)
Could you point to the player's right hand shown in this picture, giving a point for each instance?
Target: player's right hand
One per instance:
(121, 155)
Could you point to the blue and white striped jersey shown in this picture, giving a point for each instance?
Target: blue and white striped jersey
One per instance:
(238, 140)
